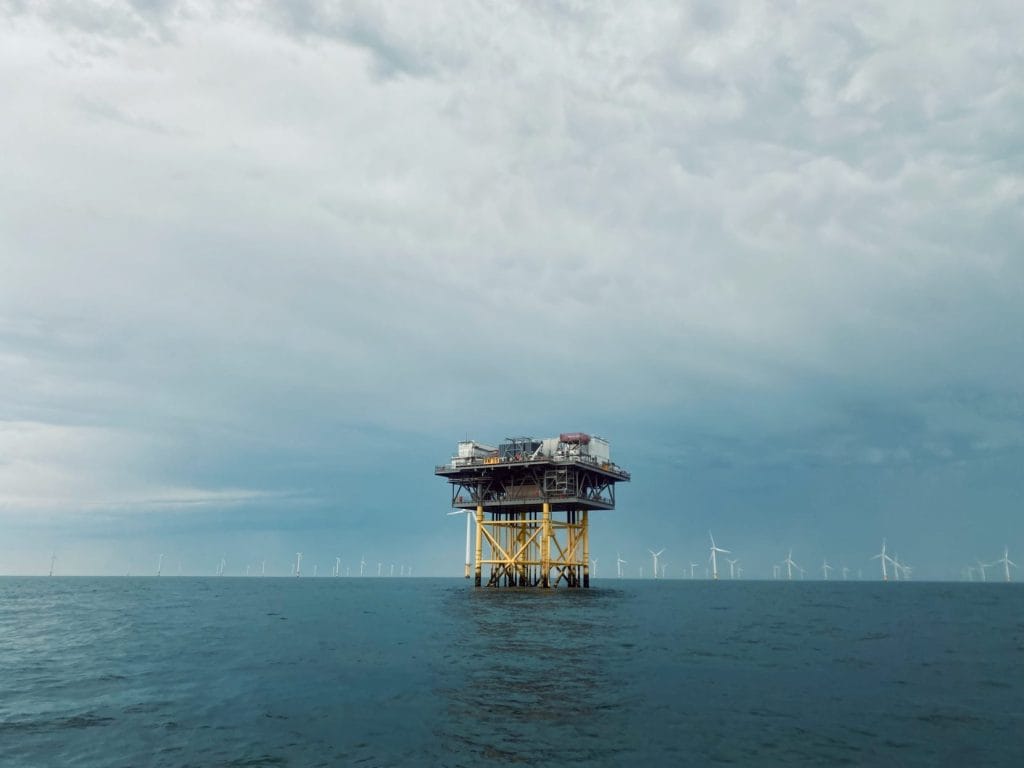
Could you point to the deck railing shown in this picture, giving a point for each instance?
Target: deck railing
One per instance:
(495, 461)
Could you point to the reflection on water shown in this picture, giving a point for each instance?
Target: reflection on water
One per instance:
(529, 675)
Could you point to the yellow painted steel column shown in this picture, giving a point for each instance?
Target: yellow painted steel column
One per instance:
(479, 542)
(468, 565)
(586, 551)
(545, 544)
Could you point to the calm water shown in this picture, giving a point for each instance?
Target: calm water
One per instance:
(248, 672)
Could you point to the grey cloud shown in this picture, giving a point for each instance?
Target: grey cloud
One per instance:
(770, 234)
(134, 19)
(112, 112)
(372, 27)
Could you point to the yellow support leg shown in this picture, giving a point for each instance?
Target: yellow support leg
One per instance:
(586, 551)
(479, 543)
(545, 545)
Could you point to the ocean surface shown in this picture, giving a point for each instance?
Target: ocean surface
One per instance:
(350, 671)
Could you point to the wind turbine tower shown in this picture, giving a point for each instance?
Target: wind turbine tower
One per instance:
(825, 569)
(53, 559)
(469, 521)
(160, 565)
(790, 565)
(531, 500)
(655, 556)
(883, 557)
(1007, 562)
(713, 558)
(298, 564)
(620, 562)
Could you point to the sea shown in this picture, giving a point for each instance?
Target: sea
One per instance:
(432, 672)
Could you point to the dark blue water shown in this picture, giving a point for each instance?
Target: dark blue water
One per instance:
(248, 672)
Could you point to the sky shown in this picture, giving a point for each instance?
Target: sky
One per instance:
(263, 264)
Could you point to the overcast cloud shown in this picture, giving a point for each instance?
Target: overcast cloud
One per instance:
(263, 264)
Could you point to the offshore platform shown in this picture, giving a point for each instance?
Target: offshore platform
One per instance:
(531, 499)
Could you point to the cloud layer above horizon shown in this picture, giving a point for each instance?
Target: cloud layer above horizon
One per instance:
(264, 263)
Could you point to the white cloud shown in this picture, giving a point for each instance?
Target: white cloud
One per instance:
(249, 219)
(47, 469)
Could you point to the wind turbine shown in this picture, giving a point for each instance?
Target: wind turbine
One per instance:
(263, 568)
(897, 567)
(981, 569)
(379, 567)
(246, 569)
(298, 564)
(732, 568)
(825, 569)
(883, 557)
(739, 572)
(159, 565)
(846, 572)
(469, 560)
(316, 567)
(362, 565)
(53, 558)
(655, 555)
(392, 569)
(337, 567)
(620, 562)
(1007, 562)
(788, 562)
(693, 567)
(775, 571)
(593, 567)
(714, 560)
